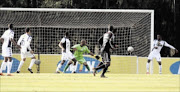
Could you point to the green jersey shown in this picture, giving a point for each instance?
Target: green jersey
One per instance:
(80, 50)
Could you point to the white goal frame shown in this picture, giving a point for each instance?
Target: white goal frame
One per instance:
(97, 10)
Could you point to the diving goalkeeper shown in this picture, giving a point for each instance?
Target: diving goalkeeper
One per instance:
(79, 50)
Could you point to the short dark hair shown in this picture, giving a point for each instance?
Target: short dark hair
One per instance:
(114, 30)
(27, 30)
(111, 28)
(10, 26)
(66, 33)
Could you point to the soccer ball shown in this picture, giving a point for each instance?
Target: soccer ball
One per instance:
(130, 49)
(37, 62)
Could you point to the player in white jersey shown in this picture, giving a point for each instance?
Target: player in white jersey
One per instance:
(26, 51)
(155, 53)
(7, 39)
(66, 53)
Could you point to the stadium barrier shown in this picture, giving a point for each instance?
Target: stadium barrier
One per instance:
(119, 64)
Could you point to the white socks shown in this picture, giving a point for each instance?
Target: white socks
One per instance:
(32, 62)
(147, 67)
(9, 65)
(59, 66)
(160, 69)
(73, 68)
(3, 66)
(20, 65)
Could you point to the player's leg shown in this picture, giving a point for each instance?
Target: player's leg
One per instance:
(147, 66)
(150, 57)
(107, 64)
(158, 58)
(23, 59)
(101, 65)
(20, 65)
(160, 67)
(74, 60)
(9, 65)
(33, 59)
(86, 65)
(4, 63)
(105, 69)
(66, 67)
(59, 66)
(74, 65)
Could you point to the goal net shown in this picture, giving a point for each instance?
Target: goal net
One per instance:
(134, 27)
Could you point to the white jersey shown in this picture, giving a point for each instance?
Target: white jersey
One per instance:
(25, 41)
(159, 45)
(66, 43)
(7, 36)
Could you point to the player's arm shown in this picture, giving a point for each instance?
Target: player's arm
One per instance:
(170, 46)
(14, 42)
(61, 44)
(155, 45)
(91, 54)
(74, 47)
(111, 42)
(100, 40)
(2, 40)
(19, 41)
(28, 45)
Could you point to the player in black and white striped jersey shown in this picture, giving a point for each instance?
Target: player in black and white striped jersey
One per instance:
(66, 53)
(107, 43)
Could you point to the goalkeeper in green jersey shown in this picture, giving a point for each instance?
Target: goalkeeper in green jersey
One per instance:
(79, 50)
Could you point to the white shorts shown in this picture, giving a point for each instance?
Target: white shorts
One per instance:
(67, 55)
(7, 52)
(154, 55)
(26, 54)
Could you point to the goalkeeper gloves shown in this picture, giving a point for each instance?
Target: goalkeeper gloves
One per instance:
(97, 57)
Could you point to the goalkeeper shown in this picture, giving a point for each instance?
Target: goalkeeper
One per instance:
(79, 50)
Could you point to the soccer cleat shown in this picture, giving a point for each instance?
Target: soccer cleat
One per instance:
(1, 74)
(9, 74)
(74, 72)
(94, 71)
(18, 72)
(30, 70)
(147, 72)
(103, 76)
(57, 72)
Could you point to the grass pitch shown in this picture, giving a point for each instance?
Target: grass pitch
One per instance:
(87, 82)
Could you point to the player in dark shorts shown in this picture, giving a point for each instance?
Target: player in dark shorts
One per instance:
(107, 43)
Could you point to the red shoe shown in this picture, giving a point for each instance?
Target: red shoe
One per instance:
(9, 75)
(1, 74)
(147, 72)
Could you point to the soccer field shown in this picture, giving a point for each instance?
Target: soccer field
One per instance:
(87, 82)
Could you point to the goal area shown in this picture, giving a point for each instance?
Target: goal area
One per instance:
(134, 27)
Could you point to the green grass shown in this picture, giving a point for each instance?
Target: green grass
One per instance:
(87, 82)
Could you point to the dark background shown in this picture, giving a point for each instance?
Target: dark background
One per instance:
(167, 13)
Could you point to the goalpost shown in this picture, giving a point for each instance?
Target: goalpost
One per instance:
(134, 27)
